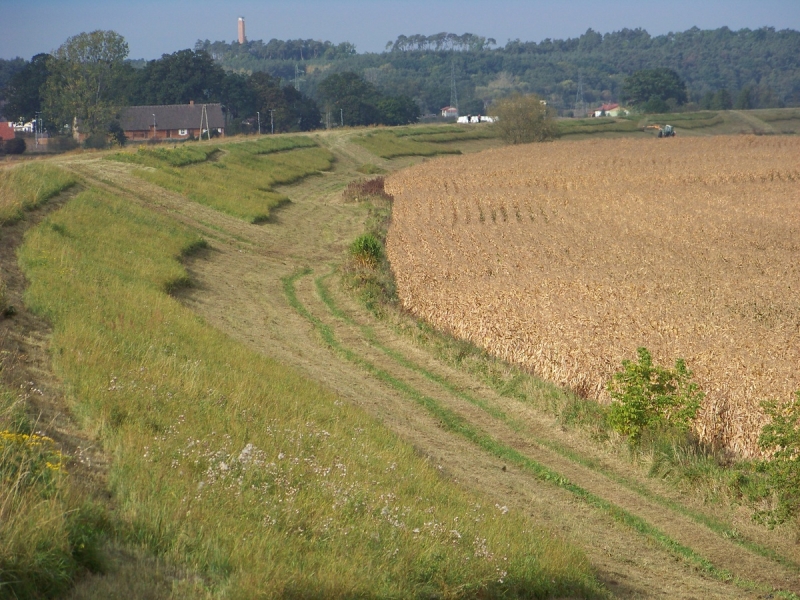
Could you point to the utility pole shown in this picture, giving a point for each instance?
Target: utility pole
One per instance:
(259, 122)
(453, 88)
(271, 122)
(154, 125)
(297, 78)
(581, 108)
(37, 129)
(341, 117)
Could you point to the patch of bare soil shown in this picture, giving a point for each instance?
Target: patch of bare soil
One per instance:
(238, 288)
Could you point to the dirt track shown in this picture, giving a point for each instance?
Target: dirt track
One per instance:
(240, 290)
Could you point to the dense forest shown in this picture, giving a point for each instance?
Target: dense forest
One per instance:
(571, 74)
(304, 84)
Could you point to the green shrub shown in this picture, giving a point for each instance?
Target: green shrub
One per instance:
(14, 146)
(782, 438)
(649, 397)
(367, 250)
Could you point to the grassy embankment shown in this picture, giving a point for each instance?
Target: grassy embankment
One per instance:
(239, 468)
(47, 528)
(421, 141)
(236, 178)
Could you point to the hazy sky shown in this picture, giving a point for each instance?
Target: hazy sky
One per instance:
(156, 27)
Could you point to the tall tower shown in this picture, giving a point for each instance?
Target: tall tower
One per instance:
(242, 37)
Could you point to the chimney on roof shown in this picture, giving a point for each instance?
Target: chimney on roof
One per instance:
(242, 37)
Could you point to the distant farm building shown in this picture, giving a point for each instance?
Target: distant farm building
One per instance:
(450, 112)
(172, 122)
(609, 110)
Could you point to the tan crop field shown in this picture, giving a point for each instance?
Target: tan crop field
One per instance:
(566, 257)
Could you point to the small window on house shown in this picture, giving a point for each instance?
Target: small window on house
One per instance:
(183, 132)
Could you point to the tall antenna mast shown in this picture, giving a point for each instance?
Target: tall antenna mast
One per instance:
(297, 78)
(453, 88)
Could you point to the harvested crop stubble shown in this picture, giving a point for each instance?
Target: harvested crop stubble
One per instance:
(566, 257)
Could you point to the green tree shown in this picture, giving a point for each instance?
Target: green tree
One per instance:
(350, 98)
(524, 119)
(722, 100)
(744, 101)
(654, 84)
(179, 78)
(24, 92)
(85, 80)
(397, 110)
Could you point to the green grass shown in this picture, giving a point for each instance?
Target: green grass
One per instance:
(49, 532)
(689, 120)
(664, 454)
(456, 424)
(237, 467)
(237, 179)
(596, 125)
(387, 144)
(180, 156)
(28, 186)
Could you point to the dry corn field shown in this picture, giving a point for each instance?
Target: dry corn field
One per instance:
(566, 257)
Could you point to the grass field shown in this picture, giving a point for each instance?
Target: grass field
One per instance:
(238, 180)
(258, 433)
(250, 477)
(566, 266)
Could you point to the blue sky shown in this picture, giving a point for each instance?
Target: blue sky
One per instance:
(156, 27)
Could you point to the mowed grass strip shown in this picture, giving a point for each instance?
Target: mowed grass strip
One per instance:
(724, 529)
(239, 181)
(239, 468)
(28, 186)
(387, 144)
(455, 423)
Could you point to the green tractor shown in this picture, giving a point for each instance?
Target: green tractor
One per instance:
(666, 131)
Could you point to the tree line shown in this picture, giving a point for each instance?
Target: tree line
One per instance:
(572, 74)
(89, 78)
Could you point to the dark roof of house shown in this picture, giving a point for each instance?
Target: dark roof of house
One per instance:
(171, 116)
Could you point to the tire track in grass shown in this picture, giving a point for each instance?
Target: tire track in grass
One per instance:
(720, 528)
(455, 423)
